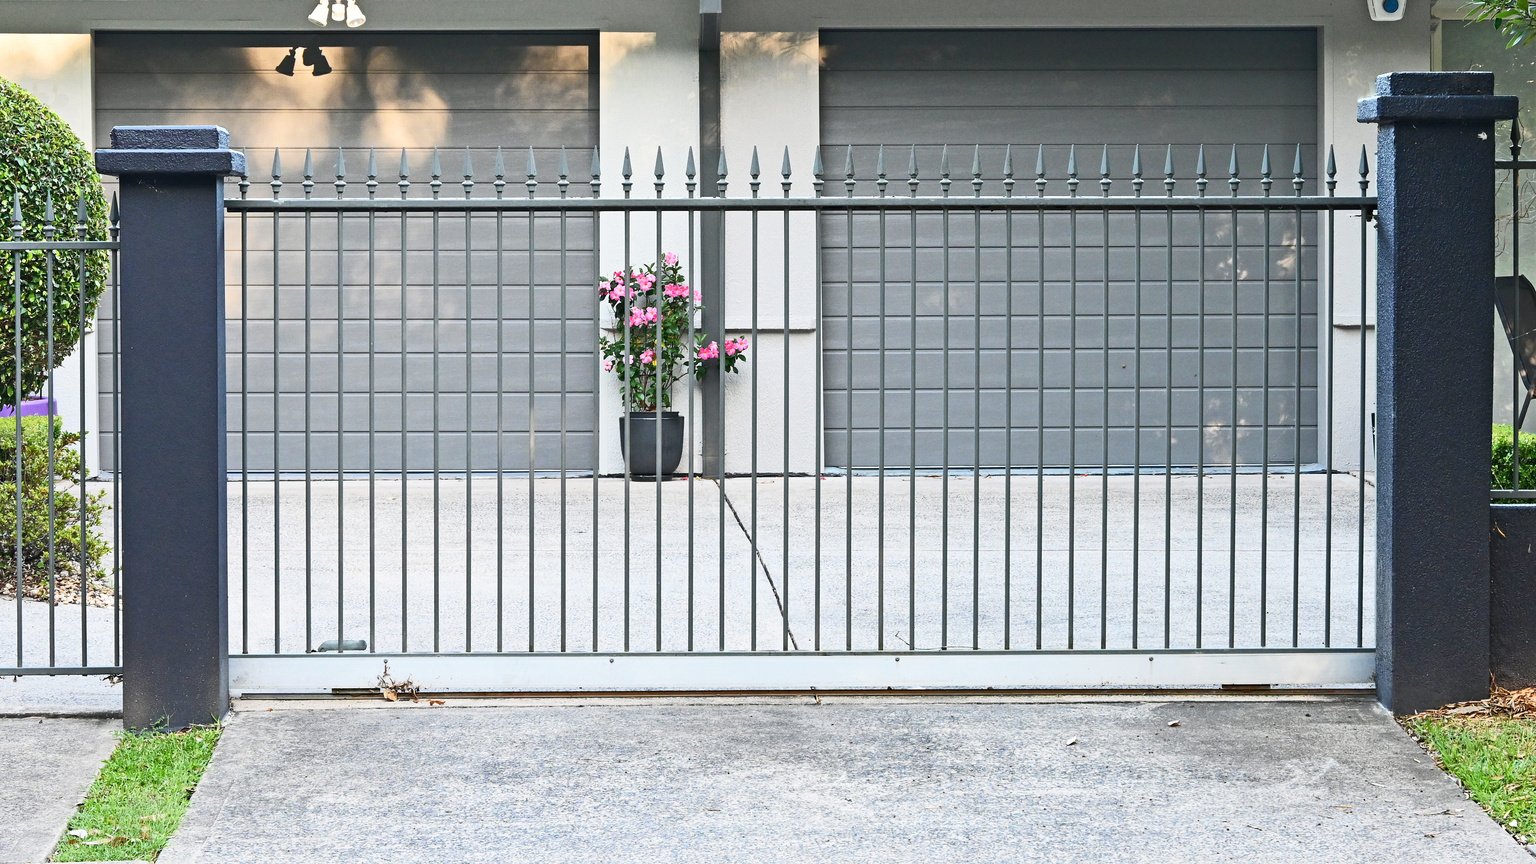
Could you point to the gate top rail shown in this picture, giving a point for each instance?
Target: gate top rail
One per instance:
(604, 205)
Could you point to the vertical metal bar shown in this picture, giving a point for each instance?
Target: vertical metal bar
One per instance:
(405, 426)
(784, 636)
(1332, 183)
(880, 183)
(373, 521)
(113, 232)
(663, 401)
(437, 388)
(1265, 182)
(690, 172)
(627, 436)
(1072, 183)
(753, 172)
(53, 429)
(82, 233)
(1168, 187)
(1296, 186)
(21, 570)
(1233, 183)
(976, 410)
(822, 315)
(1365, 219)
(848, 183)
(1008, 405)
(341, 415)
(944, 419)
(912, 418)
(1136, 467)
(309, 569)
(1514, 234)
(719, 399)
(245, 423)
(1104, 184)
(597, 423)
(277, 415)
(1200, 184)
(531, 184)
(564, 187)
(1040, 184)
(500, 186)
(469, 411)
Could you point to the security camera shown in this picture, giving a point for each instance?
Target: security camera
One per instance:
(1386, 10)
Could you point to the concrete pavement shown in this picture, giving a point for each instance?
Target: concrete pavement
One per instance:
(46, 766)
(846, 779)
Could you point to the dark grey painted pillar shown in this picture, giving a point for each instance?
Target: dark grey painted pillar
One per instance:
(711, 275)
(1434, 295)
(175, 621)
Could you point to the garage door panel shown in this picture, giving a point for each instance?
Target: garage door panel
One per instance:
(404, 310)
(1246, 89)
(1038, 88)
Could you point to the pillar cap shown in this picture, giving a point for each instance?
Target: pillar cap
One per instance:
(1436, 97)
(202, 150)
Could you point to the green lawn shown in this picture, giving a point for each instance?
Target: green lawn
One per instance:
(1494, 758)
(139, 797)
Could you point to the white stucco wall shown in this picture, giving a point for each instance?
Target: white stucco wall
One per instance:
(770, 57)
(56, 67)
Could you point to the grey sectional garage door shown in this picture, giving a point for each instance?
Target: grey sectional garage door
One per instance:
(1060, 88)
(439, 363)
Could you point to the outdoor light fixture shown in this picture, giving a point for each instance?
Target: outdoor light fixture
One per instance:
(285, 66)
(327, 11)
(313, 57)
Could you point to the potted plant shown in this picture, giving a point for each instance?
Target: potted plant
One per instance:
(653, 344)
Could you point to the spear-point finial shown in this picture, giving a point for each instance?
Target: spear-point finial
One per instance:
(48, 218)
(1265, 180)
(1296, 168)
(1168, 181)
(1072, 180)
(784, 172)
(722, 174)
(1104, 180)
(114, 215)
(755, 172)
(81, 215)
(880, 178)
(309, 172)
(1332, 171)
(405, 173)
(659, 170)
(1040, 180)
(597, 172)
(564, 167)
(341, 171)
(469, 175)
(912, 171)
(16, 226)
(1233, 181)
(277, 172)
(1008, 170)
(1200, 179)
(1365, 171)
(976, 172)
(500, 171)
(848, 181)
(944, 180)
(1136, 180)
(437, 172)
(373, 172)
(531, 173)
(818, 172)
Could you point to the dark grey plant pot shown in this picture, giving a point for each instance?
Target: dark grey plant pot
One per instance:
(643, 428)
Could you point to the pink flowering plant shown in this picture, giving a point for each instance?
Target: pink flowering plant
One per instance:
(651, 347)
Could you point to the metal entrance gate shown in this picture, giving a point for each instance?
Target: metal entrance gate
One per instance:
(1154, 471)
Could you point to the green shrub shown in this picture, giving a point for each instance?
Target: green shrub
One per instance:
(41, 156)
(68, 529)
(1504, 458)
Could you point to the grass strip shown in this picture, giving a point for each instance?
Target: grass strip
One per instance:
(1495, 760)
(139, 797)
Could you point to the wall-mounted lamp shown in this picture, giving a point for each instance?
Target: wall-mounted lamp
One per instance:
(285, 66)
(315, 58)
(348, 11)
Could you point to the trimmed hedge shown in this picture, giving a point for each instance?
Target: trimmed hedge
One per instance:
(1504, 458)
(40, 155)
(69, 532)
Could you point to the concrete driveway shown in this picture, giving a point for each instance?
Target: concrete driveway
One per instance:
(46, 766)
(856, 780)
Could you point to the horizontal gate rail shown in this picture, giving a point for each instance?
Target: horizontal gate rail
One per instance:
(1243, 203)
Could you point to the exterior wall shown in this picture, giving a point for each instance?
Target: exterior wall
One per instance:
(648, 86)
(56, 68)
